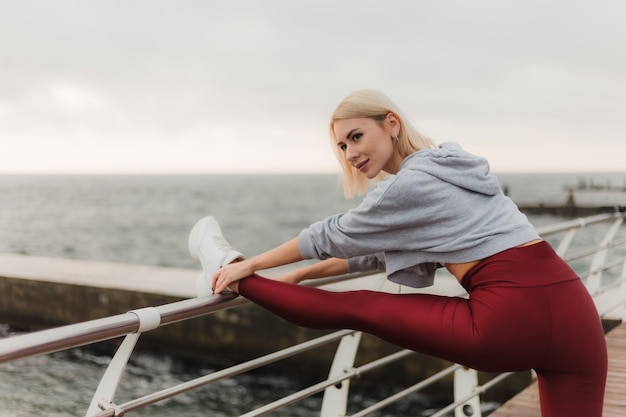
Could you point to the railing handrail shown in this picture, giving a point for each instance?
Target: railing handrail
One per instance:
(577, 223)
(98, 330)
(80, 334)
(84, 333)
(137, 321)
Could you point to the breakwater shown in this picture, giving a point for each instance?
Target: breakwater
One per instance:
(39, 292)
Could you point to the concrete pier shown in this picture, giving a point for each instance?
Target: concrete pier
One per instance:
(39, 292)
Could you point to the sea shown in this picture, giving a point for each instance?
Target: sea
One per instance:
(146, 219)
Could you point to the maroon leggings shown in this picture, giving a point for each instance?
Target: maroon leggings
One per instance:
(527, 310)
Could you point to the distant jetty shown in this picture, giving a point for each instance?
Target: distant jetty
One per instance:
(568, 210)
(591, 185)
(586, 198)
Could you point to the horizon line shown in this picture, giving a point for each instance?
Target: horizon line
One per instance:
(262, 172)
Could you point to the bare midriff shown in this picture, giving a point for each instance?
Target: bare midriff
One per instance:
(459, 270)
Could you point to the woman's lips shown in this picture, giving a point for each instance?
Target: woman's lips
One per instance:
(360, 166)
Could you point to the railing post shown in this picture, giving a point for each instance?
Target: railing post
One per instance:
(112, 376)
(593, 282)
(622, 292)
(465, 383)
(567, 239)
(335, 401)
(149, 319)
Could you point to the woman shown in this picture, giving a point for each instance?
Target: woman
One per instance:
(431, 207)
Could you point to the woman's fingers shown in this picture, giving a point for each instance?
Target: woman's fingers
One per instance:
(215, 279)
(220, 281)
(229, 274)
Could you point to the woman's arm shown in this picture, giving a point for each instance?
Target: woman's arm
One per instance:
(328, 268)
(287, 253)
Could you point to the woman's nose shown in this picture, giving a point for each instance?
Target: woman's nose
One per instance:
(351, 153)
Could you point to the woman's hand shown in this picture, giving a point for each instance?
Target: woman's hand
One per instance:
(228, 275)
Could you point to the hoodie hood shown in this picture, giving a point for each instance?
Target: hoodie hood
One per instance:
(450, 163)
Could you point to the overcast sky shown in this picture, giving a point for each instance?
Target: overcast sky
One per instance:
(151, 86)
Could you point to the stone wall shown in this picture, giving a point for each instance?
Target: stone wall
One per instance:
(79, 291)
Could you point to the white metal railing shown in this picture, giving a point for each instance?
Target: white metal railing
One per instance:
(609, 295)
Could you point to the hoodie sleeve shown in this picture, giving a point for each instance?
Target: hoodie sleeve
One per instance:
(399, 214)
(429, 207)
(360, 231)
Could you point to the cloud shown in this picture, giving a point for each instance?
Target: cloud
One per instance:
(144, 82)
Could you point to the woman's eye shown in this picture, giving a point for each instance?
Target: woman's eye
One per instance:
(357, 136)
(343, 147)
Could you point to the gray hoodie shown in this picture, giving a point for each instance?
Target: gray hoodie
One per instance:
(441, 207)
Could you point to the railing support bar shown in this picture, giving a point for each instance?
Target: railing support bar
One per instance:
(225, 373)
(479, 390)
(149, 319)
(465, 383)
(335, 400)
(414, 388)
(565, 242)
(623, 291)
(319, 387)
(593, 283)
(111, 379)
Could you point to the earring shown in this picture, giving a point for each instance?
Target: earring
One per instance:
(395, 139)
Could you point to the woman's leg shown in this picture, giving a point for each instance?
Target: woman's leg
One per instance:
(572, 379)
(498, 329)
(434, 325)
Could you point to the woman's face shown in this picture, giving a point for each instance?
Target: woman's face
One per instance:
(368, 144)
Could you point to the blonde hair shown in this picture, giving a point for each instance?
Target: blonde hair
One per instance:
(372, 104)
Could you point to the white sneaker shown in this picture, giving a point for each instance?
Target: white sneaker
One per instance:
(207, 244)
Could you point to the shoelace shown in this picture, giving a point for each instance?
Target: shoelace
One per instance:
(221, 243)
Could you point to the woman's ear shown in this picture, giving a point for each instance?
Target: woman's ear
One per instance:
(393, 123)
